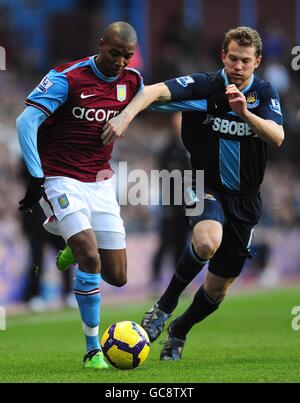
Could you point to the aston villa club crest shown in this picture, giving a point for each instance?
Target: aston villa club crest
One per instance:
(63, 201)
(121, 93)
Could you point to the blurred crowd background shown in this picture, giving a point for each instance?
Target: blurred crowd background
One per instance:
(176, 37)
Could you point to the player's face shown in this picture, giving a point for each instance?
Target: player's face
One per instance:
(115, 55)
(240, 63)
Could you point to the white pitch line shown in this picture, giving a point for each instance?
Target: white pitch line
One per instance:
(40, 319)
(59, 316)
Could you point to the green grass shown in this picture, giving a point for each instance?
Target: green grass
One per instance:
(249, 339)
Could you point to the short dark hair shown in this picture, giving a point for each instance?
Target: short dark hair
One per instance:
(123, 30)
(244, 36)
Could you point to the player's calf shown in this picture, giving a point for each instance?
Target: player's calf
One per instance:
(188, 267)
(114, 266)
(216, 287)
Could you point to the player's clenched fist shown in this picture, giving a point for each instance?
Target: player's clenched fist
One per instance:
(33, 194)
(114, 129)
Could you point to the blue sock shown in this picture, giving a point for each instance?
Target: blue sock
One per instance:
(87, 293)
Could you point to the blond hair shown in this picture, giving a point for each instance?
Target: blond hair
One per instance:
(244, 36)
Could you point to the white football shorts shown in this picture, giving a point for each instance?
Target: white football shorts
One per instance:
(72, 206)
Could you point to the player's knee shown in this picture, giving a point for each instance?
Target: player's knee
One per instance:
(206, 248)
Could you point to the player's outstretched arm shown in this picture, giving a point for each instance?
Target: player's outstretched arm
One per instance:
(117, 126)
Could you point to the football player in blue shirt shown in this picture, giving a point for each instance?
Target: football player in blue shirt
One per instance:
(236, 116)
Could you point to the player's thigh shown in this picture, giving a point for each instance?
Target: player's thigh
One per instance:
(114, 266)
(231, 256)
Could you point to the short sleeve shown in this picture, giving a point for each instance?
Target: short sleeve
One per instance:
(50, 94)
(270, 108)
(195, 86)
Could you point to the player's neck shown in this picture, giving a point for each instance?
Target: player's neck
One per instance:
(245, 84)
(240, 87)
(99, 66)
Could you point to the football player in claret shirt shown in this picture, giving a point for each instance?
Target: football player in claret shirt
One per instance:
(238, 114)
(59, 134)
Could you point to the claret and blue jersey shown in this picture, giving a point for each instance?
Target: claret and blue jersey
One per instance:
(232, 156)
(75, 101)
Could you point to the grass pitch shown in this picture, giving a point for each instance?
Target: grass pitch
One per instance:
(249, 339)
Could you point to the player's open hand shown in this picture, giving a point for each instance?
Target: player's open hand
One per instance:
(114, 129)
(33, 194)
(236, 99)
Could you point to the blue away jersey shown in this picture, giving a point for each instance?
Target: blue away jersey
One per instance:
(232, 156)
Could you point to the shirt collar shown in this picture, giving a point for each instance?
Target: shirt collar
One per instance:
(226, 81)
(99, 73)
